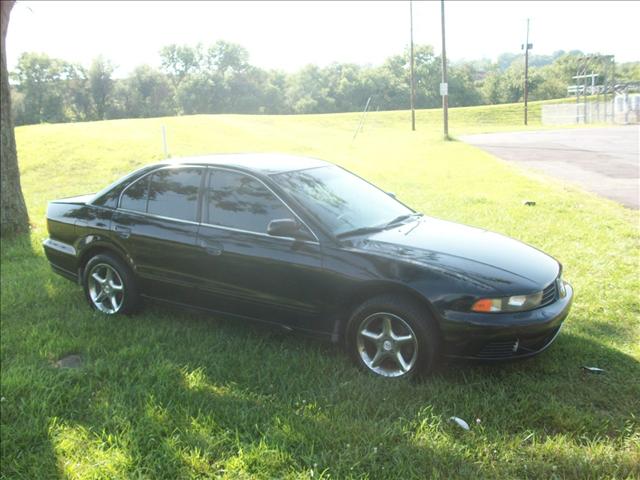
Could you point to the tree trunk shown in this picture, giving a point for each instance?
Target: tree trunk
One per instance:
(13, 211)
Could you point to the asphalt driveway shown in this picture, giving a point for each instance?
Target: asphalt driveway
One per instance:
(605, 161)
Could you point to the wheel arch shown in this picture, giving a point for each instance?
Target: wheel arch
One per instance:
(96, 248)
(360, 294)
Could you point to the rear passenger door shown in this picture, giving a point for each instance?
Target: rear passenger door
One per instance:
(247, 271)
(157, 224)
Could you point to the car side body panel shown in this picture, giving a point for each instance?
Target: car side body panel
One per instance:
(255, 275)
(163, 252)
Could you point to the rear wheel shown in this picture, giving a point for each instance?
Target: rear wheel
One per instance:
(393, 336)
(109, 285)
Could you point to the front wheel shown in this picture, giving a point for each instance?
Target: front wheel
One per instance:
(109, 285)
(393, 336)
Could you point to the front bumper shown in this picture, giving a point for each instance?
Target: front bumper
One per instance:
(503, 336)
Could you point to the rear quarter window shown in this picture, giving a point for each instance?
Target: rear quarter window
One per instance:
(135, 196)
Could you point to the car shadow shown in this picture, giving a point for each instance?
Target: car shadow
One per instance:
(254, 409)
(167, 394)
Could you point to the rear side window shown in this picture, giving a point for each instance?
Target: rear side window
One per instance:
(239, 201)
(171, 193)
(174, 193)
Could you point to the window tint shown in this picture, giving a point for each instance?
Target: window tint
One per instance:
(339, 199)
(109, 199)
(239, 201)
(109, 196)
(173, 193)
(135, 196)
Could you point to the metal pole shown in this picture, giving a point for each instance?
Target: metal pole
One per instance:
(413, 82)
(584, 94)
(164, 142)
(361, 124)
(445, 97)
(613, 89)
(598, 119)
(593, 83)
(577, 96)
(526, 75)
(605, 82)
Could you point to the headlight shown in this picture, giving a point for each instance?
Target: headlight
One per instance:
(516, 303)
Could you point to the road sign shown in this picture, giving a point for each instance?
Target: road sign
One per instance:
(444, 89)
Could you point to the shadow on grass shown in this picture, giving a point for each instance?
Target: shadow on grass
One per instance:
(168, 394)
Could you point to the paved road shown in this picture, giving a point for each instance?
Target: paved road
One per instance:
(605, 161)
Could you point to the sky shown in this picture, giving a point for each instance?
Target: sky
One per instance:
(288, 35)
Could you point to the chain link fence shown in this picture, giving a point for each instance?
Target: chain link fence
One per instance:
(622, 110)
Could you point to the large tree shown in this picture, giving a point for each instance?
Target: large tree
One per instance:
(13, 211)
(101, 85)
(43, 82)
(178, 61)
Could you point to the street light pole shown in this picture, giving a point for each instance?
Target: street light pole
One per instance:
(527, 46)
(413, 82)
(444, 87)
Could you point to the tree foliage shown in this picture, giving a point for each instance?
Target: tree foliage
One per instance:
(101, 85)
(220, 79)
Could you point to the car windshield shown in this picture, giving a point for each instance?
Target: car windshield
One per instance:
(342, 201)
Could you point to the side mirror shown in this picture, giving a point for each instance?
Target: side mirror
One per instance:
(287, 227)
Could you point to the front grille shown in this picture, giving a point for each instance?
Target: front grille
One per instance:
(499, 349)
(516, 347)
(550, 294)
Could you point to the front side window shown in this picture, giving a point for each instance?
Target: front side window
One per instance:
(239, 201)
(170, 192)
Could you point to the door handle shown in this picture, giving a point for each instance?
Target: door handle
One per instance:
(123, 232)
(214, 251)
(212, 248)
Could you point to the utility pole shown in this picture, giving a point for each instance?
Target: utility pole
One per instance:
(444, 86)
(413, 81)
(526, 46)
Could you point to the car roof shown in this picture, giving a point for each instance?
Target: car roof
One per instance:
(266, 163)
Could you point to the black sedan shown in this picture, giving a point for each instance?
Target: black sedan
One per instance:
(306, 245)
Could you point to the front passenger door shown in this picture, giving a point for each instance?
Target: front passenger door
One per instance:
(247, 271)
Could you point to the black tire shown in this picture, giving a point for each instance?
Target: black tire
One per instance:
(99, 289)
(407, 318)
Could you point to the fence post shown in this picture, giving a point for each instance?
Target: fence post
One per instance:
(164, 142)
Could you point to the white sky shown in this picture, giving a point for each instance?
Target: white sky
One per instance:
(289, 35)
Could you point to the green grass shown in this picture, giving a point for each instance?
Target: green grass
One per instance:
(171, 394)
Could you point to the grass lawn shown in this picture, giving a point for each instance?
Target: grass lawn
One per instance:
(171, 394)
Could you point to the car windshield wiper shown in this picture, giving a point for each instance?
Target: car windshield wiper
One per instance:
(360, 231)
(377, 228)
(401, 218)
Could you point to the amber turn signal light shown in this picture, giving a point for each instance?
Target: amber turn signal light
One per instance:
(483, 305)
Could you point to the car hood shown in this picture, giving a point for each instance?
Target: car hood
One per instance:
(487, 257)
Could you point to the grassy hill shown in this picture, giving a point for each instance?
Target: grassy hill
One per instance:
(169, 394)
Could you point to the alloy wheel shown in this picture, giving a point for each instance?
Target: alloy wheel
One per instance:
(106, 288)
(387, 344)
